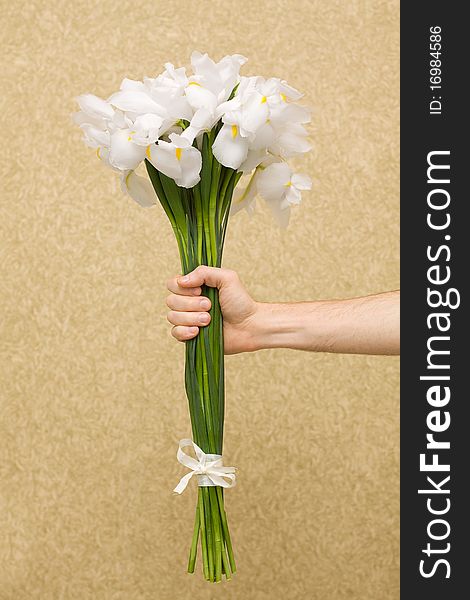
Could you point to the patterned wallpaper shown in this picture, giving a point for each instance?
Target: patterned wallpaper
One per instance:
(92, 400)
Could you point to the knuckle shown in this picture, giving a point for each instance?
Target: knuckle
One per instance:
(170, 316)
(231, 275)
(169, 301)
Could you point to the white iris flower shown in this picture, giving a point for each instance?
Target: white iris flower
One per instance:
(281, 188)
(162, 119)
(177, 159)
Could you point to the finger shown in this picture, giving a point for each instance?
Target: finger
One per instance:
(173, 286)
(211, 276)
(184, 333)
(187, 303)
(189, 319)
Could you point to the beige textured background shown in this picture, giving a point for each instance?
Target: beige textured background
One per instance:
(92, 400)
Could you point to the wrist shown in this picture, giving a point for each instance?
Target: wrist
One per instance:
(277, 326)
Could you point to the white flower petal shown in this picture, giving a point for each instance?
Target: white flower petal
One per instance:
(291, 143)
(301, 182)
(293, 195)
(103, 154)
(289, 91)
(202, 120)
(270, 87)
(120, 121)
(228, 69)
(200, 97)
(95, 107)
(191, 163)
(264, 138)
(228, 106)
(202, 64)
(253, 159)
(178, 75)
(218, 78)
(232, 117)
(95, 137)
(255, 112)
(123, 153)
(247, 86)
(177, 159)
(146, 129)
(163, 157)
(79, 118)
(229, 148)
(179, 141)
(273, 181)
(132, 84)
(139, 188)
(170, 97)
(136, 102)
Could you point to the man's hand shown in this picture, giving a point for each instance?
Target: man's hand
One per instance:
(366, 325)
(190, 310)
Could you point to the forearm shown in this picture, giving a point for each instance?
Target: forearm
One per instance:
(367, 325)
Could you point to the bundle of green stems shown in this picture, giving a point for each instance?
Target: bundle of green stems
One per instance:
(199, 218)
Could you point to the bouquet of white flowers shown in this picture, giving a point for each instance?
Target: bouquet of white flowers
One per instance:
(198, 135)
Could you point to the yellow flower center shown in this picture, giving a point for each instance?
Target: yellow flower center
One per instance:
(195, 83)
(234, 131)
(283, 97)
(131, 133)
(147, 152)
(288, 184)
(178, 152)
(263, 99)
(98, 152)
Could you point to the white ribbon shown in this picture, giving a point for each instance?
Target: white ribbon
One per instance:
(208, 468)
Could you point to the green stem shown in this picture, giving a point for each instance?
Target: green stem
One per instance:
(199, 222)
(212, 448)
(216, 168)
(210, 539)
(223, 518)
(217, 533)
(193, 551)
(202, 521)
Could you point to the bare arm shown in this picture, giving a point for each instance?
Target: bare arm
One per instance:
(366, 325)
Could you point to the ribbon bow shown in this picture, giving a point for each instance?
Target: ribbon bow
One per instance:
(208, 468)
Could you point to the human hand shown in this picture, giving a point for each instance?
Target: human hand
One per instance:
(190, 310)
(364, 325)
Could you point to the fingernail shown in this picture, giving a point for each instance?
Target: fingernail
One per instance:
(204, 318)
(184, 279)
(204, 303)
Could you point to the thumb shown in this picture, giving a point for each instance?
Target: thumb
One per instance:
(211, 276)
